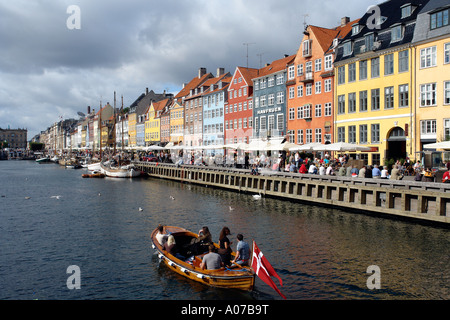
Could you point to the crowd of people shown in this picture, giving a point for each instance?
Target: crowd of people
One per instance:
(215, 258)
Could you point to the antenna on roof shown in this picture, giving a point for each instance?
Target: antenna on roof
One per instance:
(247, 44)
(305, 25)
(260, 59)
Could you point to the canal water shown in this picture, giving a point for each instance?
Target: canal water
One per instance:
(96, 224)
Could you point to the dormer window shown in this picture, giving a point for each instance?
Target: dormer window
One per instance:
(369, 40)
(307, 48)
(406, 10)
(355, 29)
(439, 19)
(347, 48)
(397, 33)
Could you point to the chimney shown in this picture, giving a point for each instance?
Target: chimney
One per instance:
(146, 91)
(344, 21)
(184, 85)
(201, 72)
(267, 64)
(89, 110)
(220, 71)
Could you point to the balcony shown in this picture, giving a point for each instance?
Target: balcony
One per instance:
(307, 77)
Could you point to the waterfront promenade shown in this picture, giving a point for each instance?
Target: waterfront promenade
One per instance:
(423, 201)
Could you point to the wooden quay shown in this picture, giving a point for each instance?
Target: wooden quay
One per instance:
(424, 201)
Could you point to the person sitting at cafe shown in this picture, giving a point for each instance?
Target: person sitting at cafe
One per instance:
(446, 176)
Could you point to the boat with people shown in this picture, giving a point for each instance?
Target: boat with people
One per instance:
(43, 159)
(126, 171)
(188, 264)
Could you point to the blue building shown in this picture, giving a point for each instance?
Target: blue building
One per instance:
(269, 100)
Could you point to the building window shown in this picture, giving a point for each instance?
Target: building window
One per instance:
(307, 111)
(428, 94)
(280, 97)
(318, 87)
(271, 81)
(327, 84)
(308, 135)
(300, 69)
(352, 72)
(300, 112)
(363, 70)
(328, 62)
(397, 33)
(403, 61)
(347, 48)
(446, 129)
(291, 93)
(291, 114)
(403, 93)
(439, 19)
(388, 64)
(271, 123)
(341, 134)
(447, 92)
(389, 97)
(428, 127)
(309, 89)
(308, 67)
(368, 41)
(328, 109)
(406, 11)
(318, 65)
(428, 57)
(300, 91)
(280, 122)
(363, 101)
(375, 133)
(299, 136)
(318, 110)
(363, 133)
(352, 134)
(271, 99)
(375, 67)
(262, 102)
(291, 73)
(306, 48)
(318, 135)
(262, 122)
(341, 104)
(341, 75)
(446, 53)
(375, 95)
(352, 102)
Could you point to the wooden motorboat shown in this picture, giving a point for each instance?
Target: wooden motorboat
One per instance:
(43, 159)
(242, 278)
(93, 175)
(128, 171)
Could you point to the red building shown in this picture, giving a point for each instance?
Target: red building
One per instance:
(239, 108)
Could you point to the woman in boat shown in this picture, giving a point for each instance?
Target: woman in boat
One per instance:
(160, 236)
(200, 244)
(225, 246)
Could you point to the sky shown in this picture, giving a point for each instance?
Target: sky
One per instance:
(56, 61)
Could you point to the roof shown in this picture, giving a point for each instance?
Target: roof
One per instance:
(194, 83)
(276, 66)
(248, 74)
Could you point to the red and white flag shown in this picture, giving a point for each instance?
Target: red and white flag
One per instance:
(264, 269)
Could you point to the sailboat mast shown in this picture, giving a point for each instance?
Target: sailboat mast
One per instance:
(100, 126)
(114, 126)
(122, 121)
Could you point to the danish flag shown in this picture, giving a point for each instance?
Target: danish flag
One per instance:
(264, 269)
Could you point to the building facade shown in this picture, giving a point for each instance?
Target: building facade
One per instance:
(374, 67)
(14, 138)
(238, 114)
(269, 100)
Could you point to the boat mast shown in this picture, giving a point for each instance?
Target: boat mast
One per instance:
(121, 112)
(114, 126)
(100, 126)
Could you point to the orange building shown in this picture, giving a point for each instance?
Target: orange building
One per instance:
(310, 85)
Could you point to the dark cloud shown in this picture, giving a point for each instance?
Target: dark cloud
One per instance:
(47, 70)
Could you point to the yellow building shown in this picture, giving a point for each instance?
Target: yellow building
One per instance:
(374, 68)
(432, 49)
(176, 123)
(153, 122)
(132, 120)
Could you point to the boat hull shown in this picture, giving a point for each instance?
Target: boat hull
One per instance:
(238, 278)
(119, 173)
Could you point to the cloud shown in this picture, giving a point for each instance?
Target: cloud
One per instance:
(47, 70)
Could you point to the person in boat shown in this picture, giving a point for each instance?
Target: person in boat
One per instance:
(171, 247)
(225, 246)
(160, 236)
(211, 260)
(200, 244)
(242, 252)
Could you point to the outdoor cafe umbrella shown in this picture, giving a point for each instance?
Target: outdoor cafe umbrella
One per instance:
(305, 147)
(439, 145)
(340, 146)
